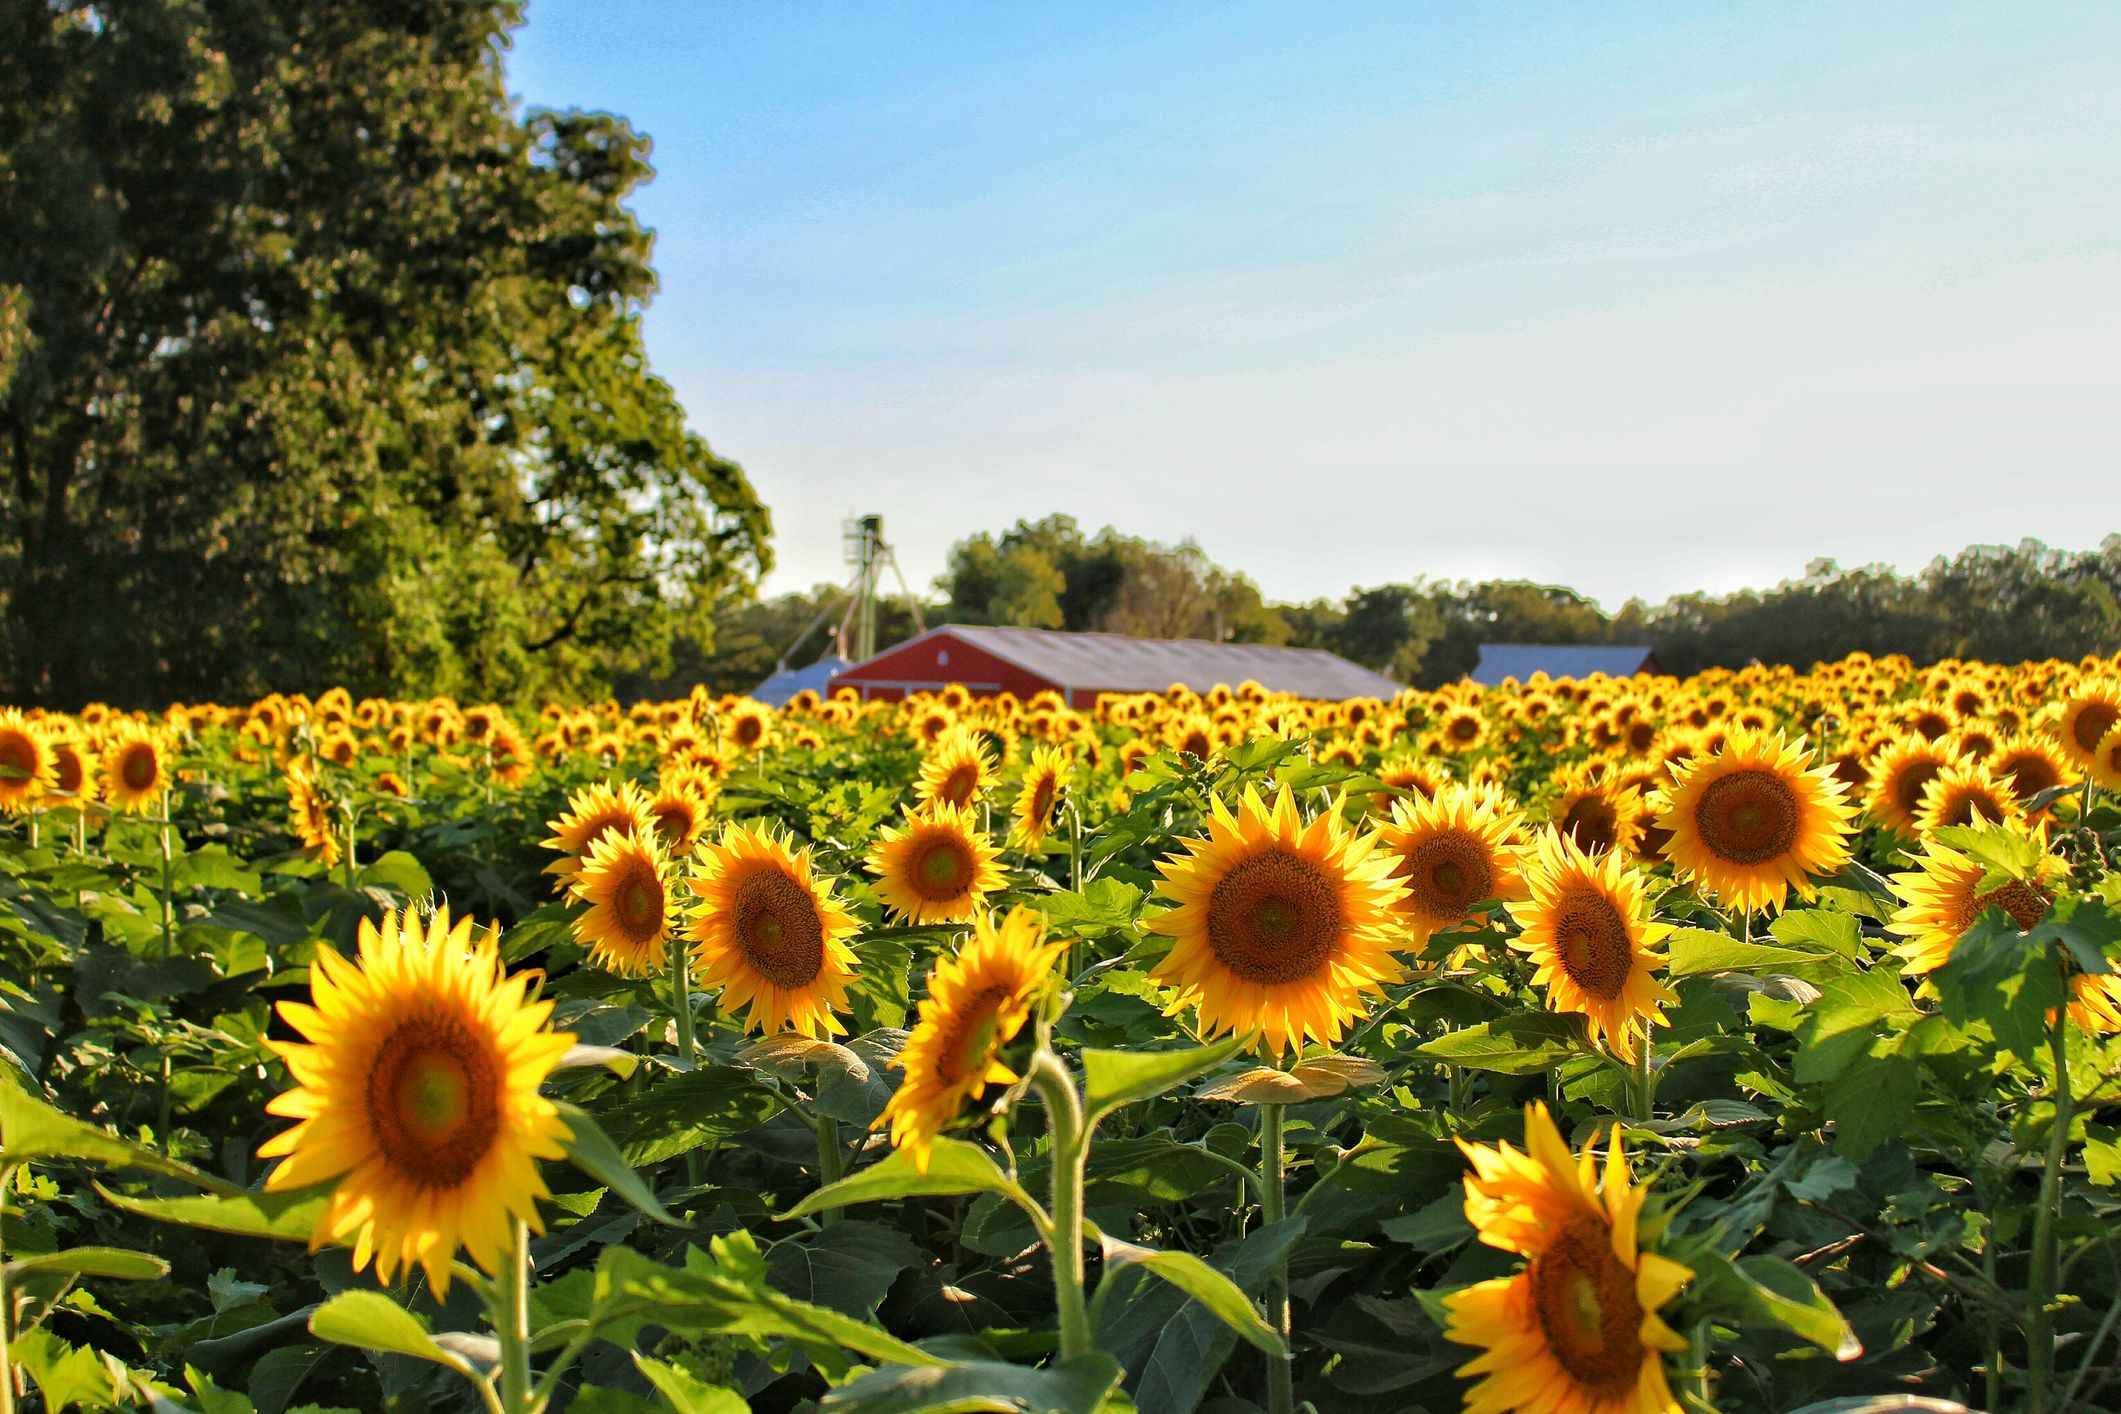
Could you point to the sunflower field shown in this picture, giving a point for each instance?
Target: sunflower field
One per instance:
(1744, 1042)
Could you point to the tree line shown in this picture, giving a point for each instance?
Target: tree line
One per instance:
(2004, 603)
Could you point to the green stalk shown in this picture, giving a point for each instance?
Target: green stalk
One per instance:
(1064, 1241)
(2040, 1280)
(347, 860)
(828, 1160)
(681, 1013)
(511, 1320)
(169, 885)
(7, 1301)
(1273, 1205)
(1645, 1087)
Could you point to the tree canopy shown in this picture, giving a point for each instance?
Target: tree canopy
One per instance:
(321, 362)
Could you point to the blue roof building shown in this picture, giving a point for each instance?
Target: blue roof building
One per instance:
(1560, 660)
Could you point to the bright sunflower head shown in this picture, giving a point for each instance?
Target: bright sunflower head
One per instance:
(1577, 1330)
(312, 814)
(1965, 793)
(1755, 821)
(74, 767)
(1589, 928)
(1600, 812)
(2029, 765)
(1453, 850)
(418, 1091)
(2105, 768)
(936, 868)
(1038, 799)
(27, 766)
(682, 802)
(977, 1002)
(1420, 777)
(1949, 888)
(956, 770)
(2089, 714)
(1901, 771)
(627, 927)
(1279, 926)
(135, 768)
(769, 934)
(748, 726)
(593, 812)
(1462, 729)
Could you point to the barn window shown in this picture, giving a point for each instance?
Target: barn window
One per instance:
(942, 657)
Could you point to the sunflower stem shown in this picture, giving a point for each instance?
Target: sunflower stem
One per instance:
(1273, 1207)
(348, 861)
(1697, 1371)
(511, 1321)
(1064, 1118)
(681, 1013)
(7, 1301)
(169, 911)
(828, 1160)
(2040, 1279)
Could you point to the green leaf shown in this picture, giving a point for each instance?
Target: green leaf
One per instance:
(213, 867)
(954, 1166)
(1828, 929)
(287, 1216)
(1872, 1102)
(621, 1063)
(31, 1129)
(1769, 1292)
(1512, 1045)
(1691, 952)
(369, 1320)
(64, 1374)
(1204, 1284)
(114, 1262)
(1115, 1078)
(849, 1266)
(686, 1395)
(682, 1112)
(590, 1149)
(1853, 1010)
(1077, 1386)
(398, 871)
(2003, 977)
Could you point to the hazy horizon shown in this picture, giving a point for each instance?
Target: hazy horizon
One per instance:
(1642, 300)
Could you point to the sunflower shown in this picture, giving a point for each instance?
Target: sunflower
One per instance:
(769, 934)
(749, 726)
(2106, 761)
(135, 768)
(1965, 793)
(936, 868)
(627, 927)
(957, 770)
(683, 799)
(1279, 926)
(2029, 765)
(593, 812)
(1462, 729)
(2089, 714)
(1413, 774)
(27, 766)
(418, 1091)
(1456, 849)
(1900, 772)
(1038, 799)
(1599, 812)
(74, 767)
(1589, 928)
(311, 812)
(1576, 1331)
(1755, 821)
(977, 1002)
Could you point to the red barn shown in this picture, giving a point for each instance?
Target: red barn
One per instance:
(1079, 666)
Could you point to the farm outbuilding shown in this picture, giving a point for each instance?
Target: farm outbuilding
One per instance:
(1560, 660)
(1026, 661)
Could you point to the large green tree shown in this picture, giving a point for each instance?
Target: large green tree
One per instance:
(321, 361)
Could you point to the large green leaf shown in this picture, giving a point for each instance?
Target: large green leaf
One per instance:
(954, 1166)
(113, 1262)
(1115, 1078)
(1693, 951)
(1204, 1284)
(591, 1150)
(1076, 1386)
(1769, 1292)
(369, 1320)
(1513, 1045)
(288, 1216)
(31, 1129)
(686, 1395)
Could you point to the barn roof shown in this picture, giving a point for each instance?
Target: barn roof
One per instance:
(1111, 662)
(787, 682)
(1560, 660)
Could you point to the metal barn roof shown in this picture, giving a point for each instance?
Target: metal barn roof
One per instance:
(1111, 662)
(776, 690)
(1560, 660)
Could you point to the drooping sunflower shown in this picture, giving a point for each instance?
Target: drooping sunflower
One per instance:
(1588, 926)
(627, 927)
(27, 767)
(417, 1089)
(1038, 799)
(1965, 793)
(769, 934)
(1900, 772)
(592, 812)
(2088, 714)
(936, 868)
(1458, 848)
(956, 770)
(1577, 1330)
(1278, 926)
(135, 767)
(977, 1002)
(1755, 821)
(310, 811)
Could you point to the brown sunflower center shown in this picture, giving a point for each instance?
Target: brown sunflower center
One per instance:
(1961, 806)
(974, 1035)
(433, 1101)
(1196, 743)
(1274, 918)
(1748, 817)
(1464, 728)
(637, 901)
(138, 767)
(1592, 944)
(1593, 823)
(18, 753)
(943, 869)
(600, 825)
(69, 770)
(958, 786)
(1585, 1299)
(675, 820)
(748, 731)
(2093, 722)
(1042, 799)
(1446, 874)
(778, 929)
(2030, 774)
(1913, 780)
(2026, 903)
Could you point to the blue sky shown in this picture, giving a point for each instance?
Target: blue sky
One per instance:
(1639, 298)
